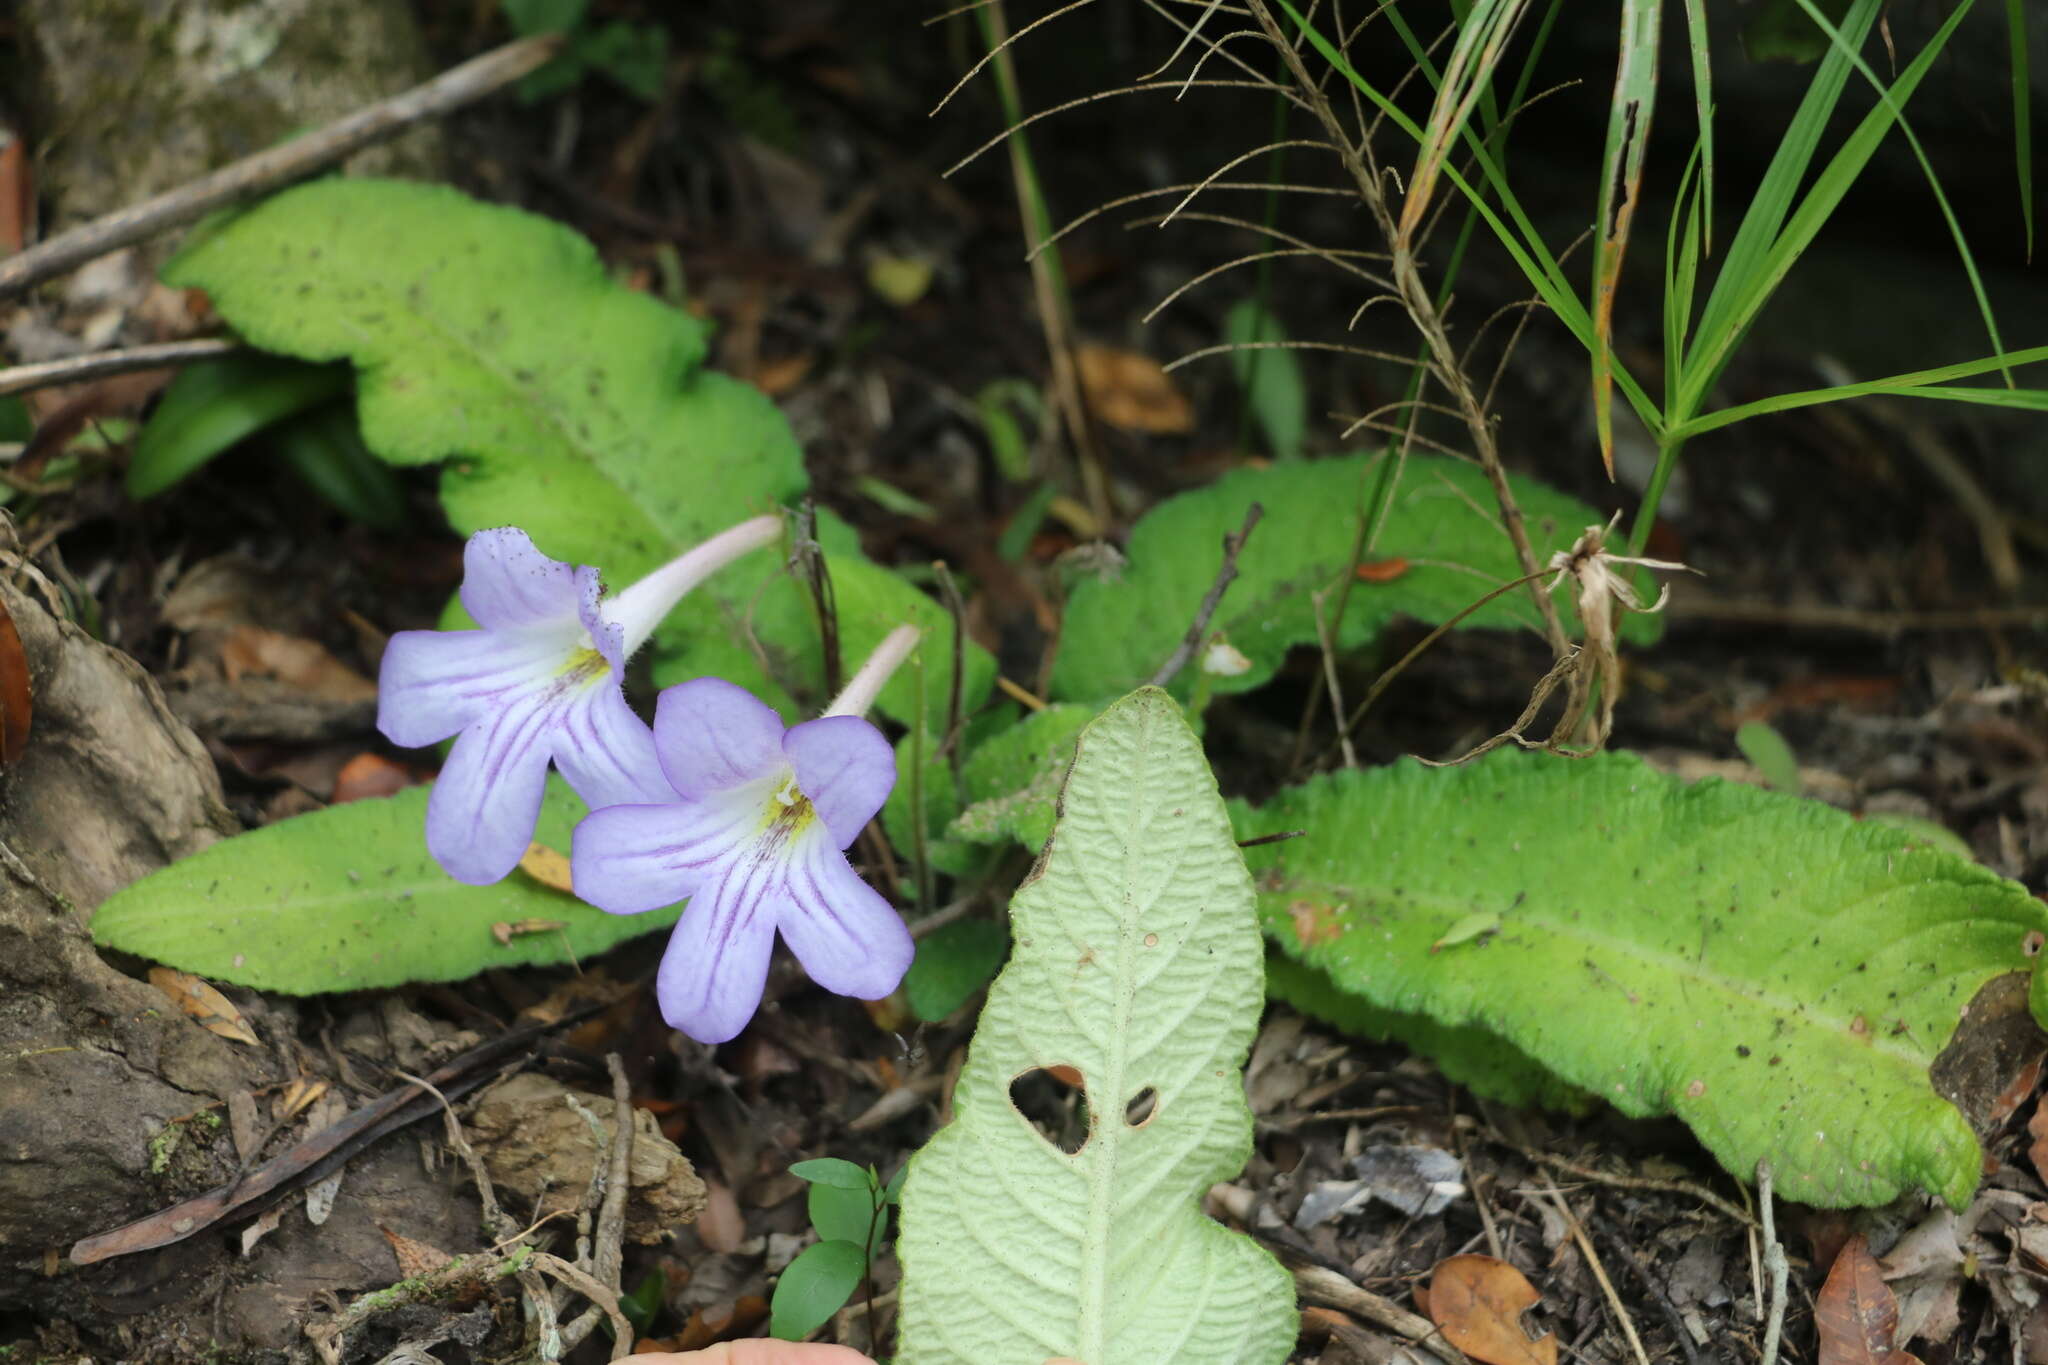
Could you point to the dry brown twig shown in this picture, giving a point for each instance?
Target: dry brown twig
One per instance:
(277, 165)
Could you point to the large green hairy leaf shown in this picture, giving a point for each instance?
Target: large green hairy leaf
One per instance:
(493, 341)
(1136, 963)
(1442, 521)
(346, 899)
(1769, 970)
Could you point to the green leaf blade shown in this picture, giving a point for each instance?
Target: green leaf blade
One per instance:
(1442, 520)
(813, 1287)
(1769, 970)
(1137, 964)
(347, 898)
(214, 405)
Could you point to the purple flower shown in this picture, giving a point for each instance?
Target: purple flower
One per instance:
(753, 834)
(539, 682)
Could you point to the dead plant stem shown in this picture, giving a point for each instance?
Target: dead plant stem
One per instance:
(1423, 312)
(279, 165)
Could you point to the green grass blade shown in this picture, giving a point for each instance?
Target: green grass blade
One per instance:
(1735, 284)
(1761, 276)
(1917, 384)
(1898, 112)
(1703, 101)
(1621, 183)
(1523, 243)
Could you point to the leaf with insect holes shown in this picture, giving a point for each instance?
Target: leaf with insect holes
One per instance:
(1443, 521)
(347, 898)
(1773, 972)
(1137, 965)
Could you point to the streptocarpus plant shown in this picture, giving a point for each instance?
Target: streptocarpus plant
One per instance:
(719, 803)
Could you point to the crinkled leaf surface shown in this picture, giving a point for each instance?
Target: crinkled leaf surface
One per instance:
(1443, 522)
(1771, 971)
(560, 401)
(1137, 962)
(347, 898)
(494, 340)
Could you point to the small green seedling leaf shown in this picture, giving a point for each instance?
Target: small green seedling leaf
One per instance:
(1270, 376)
(952, 964)
(215, 405)
(1773, 972)
(324, 448)
(643, 1305)
(830, 1170)
(1442, 520)
(1763, 746)
(813, 1287)
(347, 899)
(843, 1215)
(1137, 967)
(1482, 925)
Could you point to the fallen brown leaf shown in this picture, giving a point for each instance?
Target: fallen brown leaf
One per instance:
(2037, 1129)
(296, 1097)
(1128, 389)
(414, 1258)
(372, 775)
(214, 1011)
(1856, 1315)
(721, 1227)
(16, 704)
(549, 867)
(306, 664)
(1478, 1301)
(1382, 570)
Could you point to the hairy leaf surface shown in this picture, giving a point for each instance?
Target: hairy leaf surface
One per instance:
(1442, 523)
(347, 899)
(1137, 964)
(1771, 971)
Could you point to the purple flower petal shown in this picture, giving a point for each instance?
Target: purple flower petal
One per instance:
(508, 584)
(631, 859)
(717, 960)
(713, 736)
(845, 767)
(605, 751)
(850, 940)
(608, 636)
(435, 682)
(480, 815)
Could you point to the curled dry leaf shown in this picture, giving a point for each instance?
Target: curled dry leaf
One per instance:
(214, 1011)
(1129, 390)
(1478, 1301)
(1856, 1315)
(305, 664)
(414, 1258)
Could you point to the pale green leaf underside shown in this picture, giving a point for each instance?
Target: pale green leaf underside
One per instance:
(1443, 521)
(1774, 973)
(347, 899)
(1137, 961)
